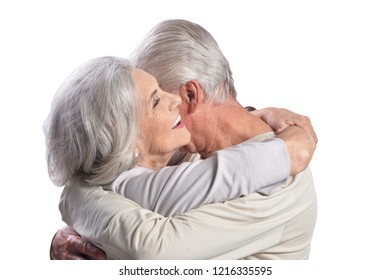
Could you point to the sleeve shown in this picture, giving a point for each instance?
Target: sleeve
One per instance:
(240, 170)
(230, 230)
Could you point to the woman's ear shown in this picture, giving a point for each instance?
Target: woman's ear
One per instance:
(192, 95)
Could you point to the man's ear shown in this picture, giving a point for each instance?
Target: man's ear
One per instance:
(192, 94)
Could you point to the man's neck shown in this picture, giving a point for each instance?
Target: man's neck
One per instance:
(230, 124)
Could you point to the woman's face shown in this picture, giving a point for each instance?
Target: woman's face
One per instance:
(161, 129)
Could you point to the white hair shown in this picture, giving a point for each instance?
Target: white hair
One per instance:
(177, 51)
(93, 124)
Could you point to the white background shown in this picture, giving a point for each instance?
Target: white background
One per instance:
(329, 60)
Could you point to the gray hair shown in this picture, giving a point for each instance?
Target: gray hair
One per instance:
(177, 51)
(93, 123)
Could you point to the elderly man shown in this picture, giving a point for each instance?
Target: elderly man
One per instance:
(279, 226)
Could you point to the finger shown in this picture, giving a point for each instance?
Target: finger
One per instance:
(87, 250)
(256, 113)
(281, 126)
(292, 122)
(93, 252)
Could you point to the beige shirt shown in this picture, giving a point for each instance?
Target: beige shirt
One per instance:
(279, 226)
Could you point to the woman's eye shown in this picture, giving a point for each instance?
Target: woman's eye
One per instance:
(155, 102)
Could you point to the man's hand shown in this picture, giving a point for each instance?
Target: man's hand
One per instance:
(69, 245)
(279, 119)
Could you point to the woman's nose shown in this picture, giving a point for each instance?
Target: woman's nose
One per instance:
(175, 101)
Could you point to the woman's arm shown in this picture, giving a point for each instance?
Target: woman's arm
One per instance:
(255, 165)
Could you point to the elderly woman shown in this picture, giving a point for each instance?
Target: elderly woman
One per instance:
(112, 125)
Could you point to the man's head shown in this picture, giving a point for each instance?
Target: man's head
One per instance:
(186, 60)
(177, 51)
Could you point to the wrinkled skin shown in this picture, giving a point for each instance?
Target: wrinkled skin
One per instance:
(69, 245)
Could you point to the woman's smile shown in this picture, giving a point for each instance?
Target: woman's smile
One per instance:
(177, 123)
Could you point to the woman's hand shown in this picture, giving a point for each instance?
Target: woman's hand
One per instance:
(279, 119)
(296, 131)
(300, 147)
(69, 245)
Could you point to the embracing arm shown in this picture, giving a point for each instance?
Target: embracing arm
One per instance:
(254, 165)
(297, 132)
(251, 166)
